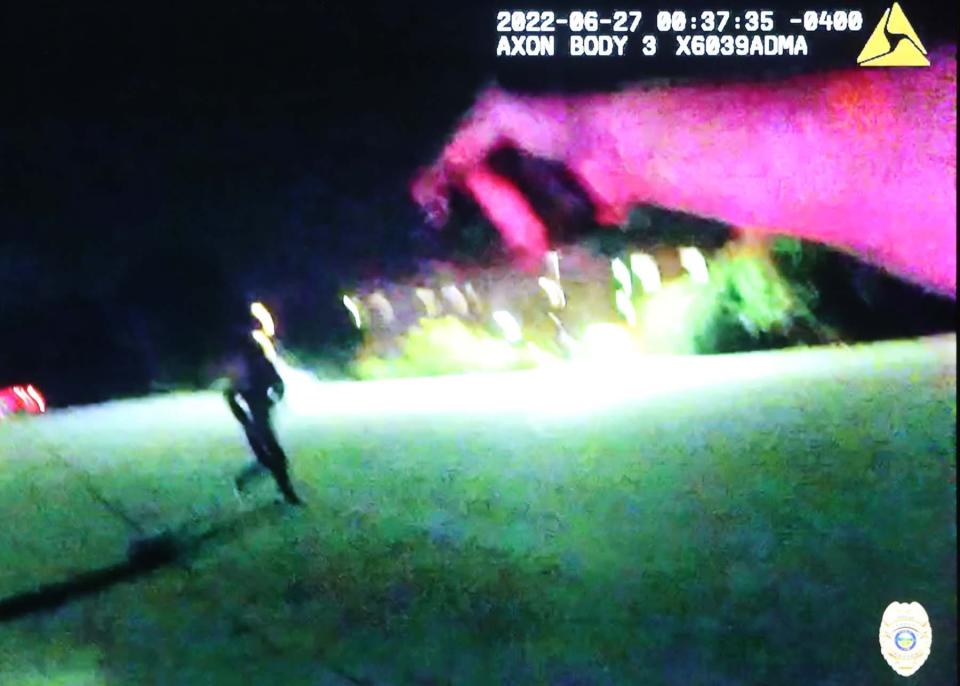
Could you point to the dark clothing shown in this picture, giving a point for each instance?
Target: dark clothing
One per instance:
(253, 373)
(258, 384)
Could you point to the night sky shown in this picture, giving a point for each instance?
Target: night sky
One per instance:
(160, 163)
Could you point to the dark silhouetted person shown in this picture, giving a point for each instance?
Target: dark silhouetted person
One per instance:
(256, 387)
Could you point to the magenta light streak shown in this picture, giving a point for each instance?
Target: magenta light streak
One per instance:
(861, 159)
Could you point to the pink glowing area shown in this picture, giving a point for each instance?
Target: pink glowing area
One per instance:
(863, 160)
(21, 398)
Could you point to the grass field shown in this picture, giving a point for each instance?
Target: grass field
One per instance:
(707, 520)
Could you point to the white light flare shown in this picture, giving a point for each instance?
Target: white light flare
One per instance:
(472, 297)
(695, 264)
(302, 389)
(570, 344)
(646, 269)
(37, 397)
(429, 300)
(622, 275)
(610, 375)
(552, 260)
(351, 306)
(554, 292)
(456, 299)
(632, 382)
(509, 325)
(542, 358)
(626, 308)
(262, 315)
(22, 394)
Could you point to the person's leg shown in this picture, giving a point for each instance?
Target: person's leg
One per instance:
(258, 467)
(276, 459)
(281, 474)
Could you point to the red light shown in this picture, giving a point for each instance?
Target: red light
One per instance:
(38, 398)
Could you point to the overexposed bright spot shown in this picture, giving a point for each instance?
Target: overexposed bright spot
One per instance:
(552, 263)
(622, 275)
(456, 299)
(509, 325)
(262, 315)
(38, 398)
(614, 376)
(695, 264)
(607, 342)
(554, 292)
(540, 356)
(670, 320)
(20, 393)
(472, 296)
(646, 269)
(565, 339)
(354, 310)
(429, 301)
(301, 387)
(626, 308)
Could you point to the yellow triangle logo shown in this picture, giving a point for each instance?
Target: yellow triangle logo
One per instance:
(906, 50)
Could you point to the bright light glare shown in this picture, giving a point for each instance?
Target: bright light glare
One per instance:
(351, 305)
(622, 275)
(607, 342)
(22, 394)
(568, 341)
(429, 300)
(541, 356)
(262, 315)
(669, 318)
(554, 292)
(552, 259)
(301, 388)
(456, 299)
(473, 297)
(38, 398)
(695, 264)
(646, 269)
(625, 307)
(509, 325)
(612, 376)
(570, 389)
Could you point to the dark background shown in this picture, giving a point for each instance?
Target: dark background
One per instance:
(163, 163)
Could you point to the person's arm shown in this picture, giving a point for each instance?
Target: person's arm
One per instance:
(230, 395)
(863, 160)
(277, 390)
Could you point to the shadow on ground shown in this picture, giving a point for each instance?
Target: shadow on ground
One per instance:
(144, 556)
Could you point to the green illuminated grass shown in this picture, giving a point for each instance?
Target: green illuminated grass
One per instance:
(735, 535)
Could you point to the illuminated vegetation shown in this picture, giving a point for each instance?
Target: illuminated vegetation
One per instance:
(672, 302)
